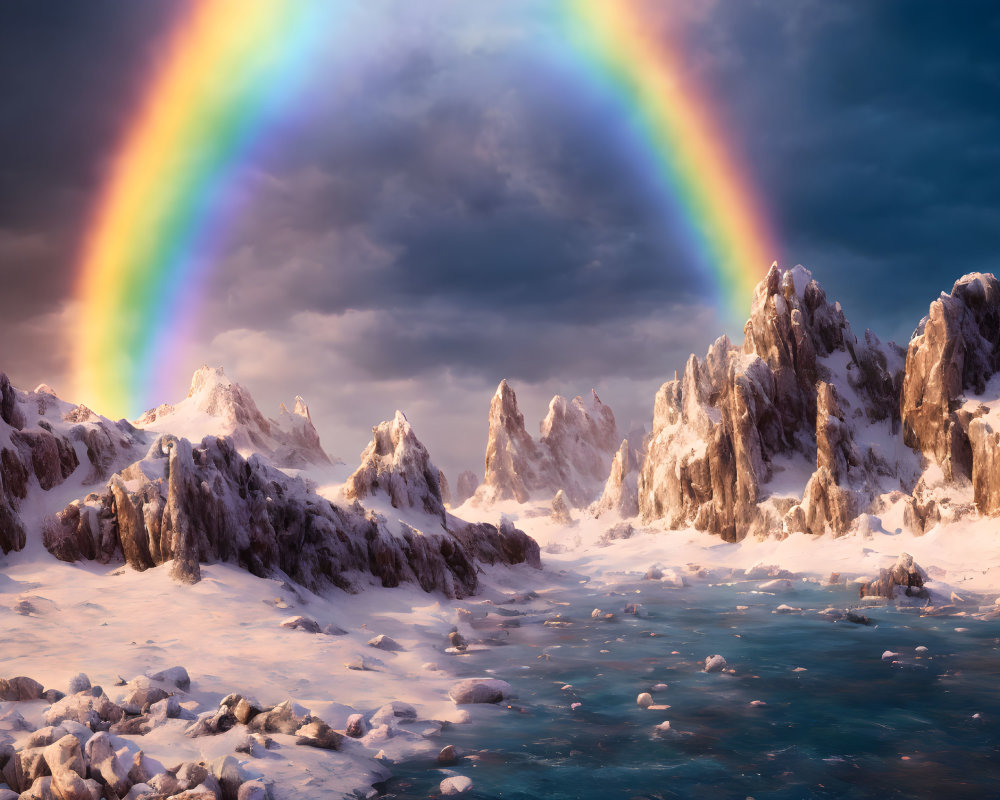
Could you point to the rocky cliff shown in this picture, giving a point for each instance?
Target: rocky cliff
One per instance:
(44, 442)
(574, 452)
(737, 418)
(206, 503)
(945, 405)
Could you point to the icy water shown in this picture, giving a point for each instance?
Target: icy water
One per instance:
(845, 725)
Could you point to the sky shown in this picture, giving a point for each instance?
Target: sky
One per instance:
(444, 203)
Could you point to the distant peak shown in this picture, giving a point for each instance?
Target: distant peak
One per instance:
(300, 408)
(207, 376)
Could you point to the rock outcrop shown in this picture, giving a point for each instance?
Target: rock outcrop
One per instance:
(621, 490)
(218, 406)
(465, 487)
(578, 442)
(954, 353)
(905, 576)
(206, 503)
(42, 443)
(397, 463)
(718, 429)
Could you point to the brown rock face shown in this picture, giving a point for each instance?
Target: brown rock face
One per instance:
(985, 445)
(717, 429)
(207, 503)
(578, 442)
(955, 348)
(397, 463)
(828, 504)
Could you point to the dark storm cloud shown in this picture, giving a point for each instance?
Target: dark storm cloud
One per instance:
(874, 132)
(69, 77)
(447, 176)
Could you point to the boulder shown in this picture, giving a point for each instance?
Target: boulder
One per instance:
(356, 726)
(457, 784)
(105, 766)
(285, 717)
(479, 690)
(20, 688)
(905, 575)
(65, 754)
(301, 623)
(318, 734)
(715, 663)
(393, 712)
(387, 643)
(176, 676)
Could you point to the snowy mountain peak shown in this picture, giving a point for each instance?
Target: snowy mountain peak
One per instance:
(578, 441)
(205, 378)
(300, 408)
(397, 463)
(218, 406)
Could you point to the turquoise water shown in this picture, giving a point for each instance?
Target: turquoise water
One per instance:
(849, 725)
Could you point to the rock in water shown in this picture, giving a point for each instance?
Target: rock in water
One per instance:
(457, 784)
(479, 690)
(715, 663)
(904, 574)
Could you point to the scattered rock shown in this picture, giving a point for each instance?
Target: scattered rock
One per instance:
(20, 688)
(715, 663)
(888, 655)
(457, 784)
(318, 734)
(356, 726)
(479, 690)
(334, 630)
(301, 623)
(905, 574)
(283, 718)
(383, 642)
(178, 676)
(447, 756)
(644, 700)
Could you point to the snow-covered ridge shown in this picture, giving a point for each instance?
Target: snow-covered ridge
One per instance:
(218, 406)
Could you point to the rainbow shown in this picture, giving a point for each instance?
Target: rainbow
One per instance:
(619, 49)
(226, 67)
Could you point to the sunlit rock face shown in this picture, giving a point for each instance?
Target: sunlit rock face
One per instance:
(718, 428)
(578, 441)
(954, 351)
